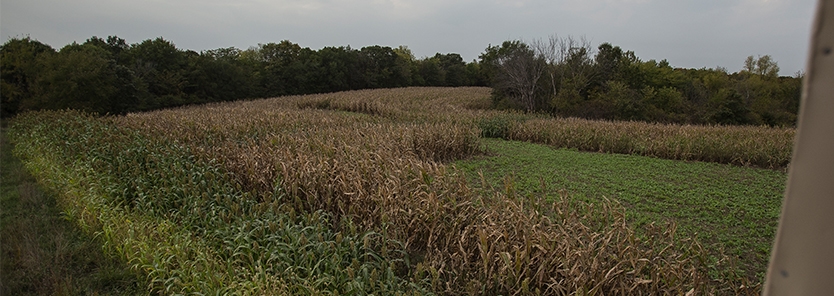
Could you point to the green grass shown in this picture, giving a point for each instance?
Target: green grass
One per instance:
(724, 206)
(42, 252)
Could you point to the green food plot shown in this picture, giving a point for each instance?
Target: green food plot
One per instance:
(727, 207)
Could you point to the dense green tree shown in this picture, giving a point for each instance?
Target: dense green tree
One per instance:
(660, 74)
(454, 69)
(430, 72)
(615, 84)
(18, 71)
(665, 104)
(82, 77)
(308, 73)
(728, 107)
(407, 64)
(158, 54)
(475, 74)
(117, 47)
(219, 75)
(276, 60)
(608, 61)
(162, 67)
(628, 103)
(562, 76)
(380, 67)
(338, 66)
(446, 70)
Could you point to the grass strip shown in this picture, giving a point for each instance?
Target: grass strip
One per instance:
(43, 252)
(725, 207)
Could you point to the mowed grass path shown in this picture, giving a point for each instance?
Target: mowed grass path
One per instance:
(41, 252)
(725, 206)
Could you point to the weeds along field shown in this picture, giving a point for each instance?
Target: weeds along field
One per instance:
(755, 146)
(353, 193)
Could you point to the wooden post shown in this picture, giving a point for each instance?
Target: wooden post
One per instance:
(802, 259)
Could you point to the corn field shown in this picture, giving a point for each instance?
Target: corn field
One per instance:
(352, 193)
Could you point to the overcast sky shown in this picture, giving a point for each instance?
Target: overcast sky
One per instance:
(687, 33)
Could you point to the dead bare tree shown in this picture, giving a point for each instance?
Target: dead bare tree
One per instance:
(520, 69)
(569, 63)
(550, 52)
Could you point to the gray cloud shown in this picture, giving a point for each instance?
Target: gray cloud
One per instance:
(690, 33)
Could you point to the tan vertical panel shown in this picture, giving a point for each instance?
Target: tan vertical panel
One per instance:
(802, 261)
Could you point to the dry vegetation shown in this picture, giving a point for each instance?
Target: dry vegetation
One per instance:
(349, 193)
(739, 145)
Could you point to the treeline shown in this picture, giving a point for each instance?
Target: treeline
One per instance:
(559, 76)
(111, 76)
(568, 77)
